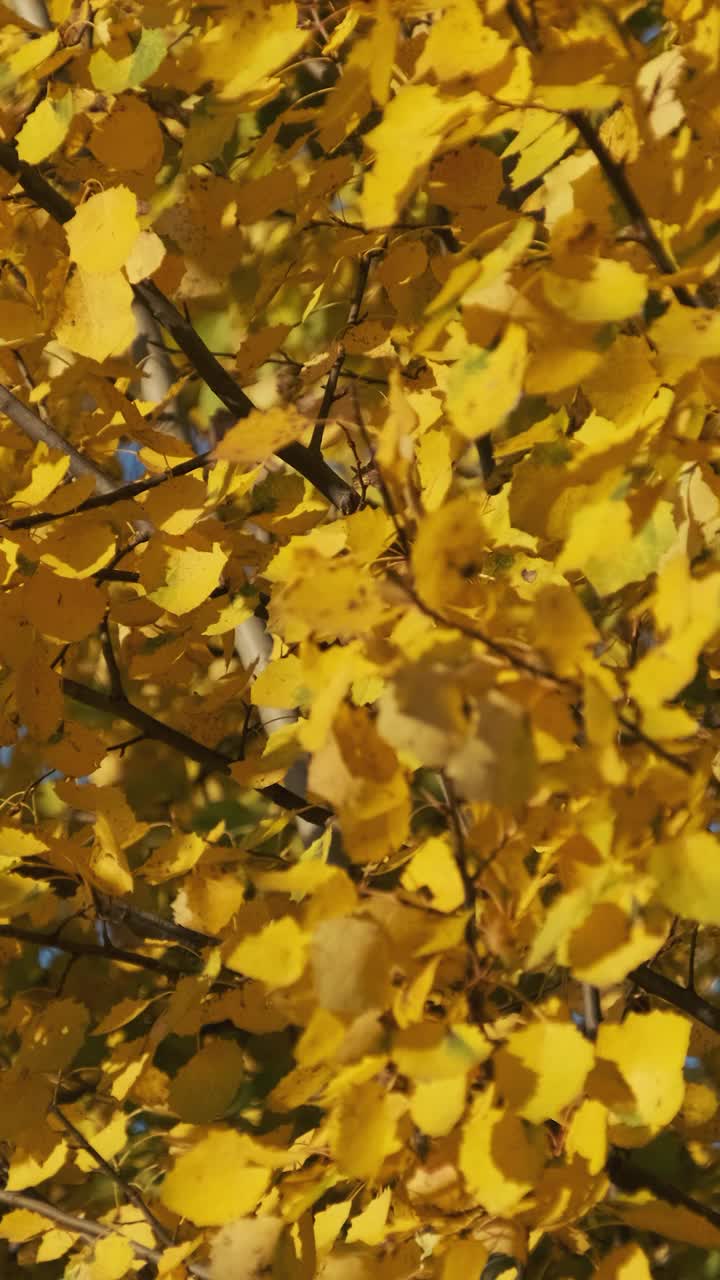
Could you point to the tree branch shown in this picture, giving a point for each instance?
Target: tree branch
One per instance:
(620, 183)
(73, 947)
(129, 1192)
(629, 1177)
(333, 377)
(106, 499)
(474, 633)
(309, 464)
(614, 172)
(90, 1230)
(682, 998)
(208, 757)
(38, 430)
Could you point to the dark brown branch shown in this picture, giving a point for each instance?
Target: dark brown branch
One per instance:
(146, 924)
(614, 172)
(38, 430)
(74, 947)
(128, 1191)
(85, 1227)
(524, 29)
(629, 1177)
(544, 673)
(210, 759)
(682, 998)
(657, 749)
(116, 684)
(474, 633)
(334, 374)
(592, 1010)
(120, 494)
(618, 180)
(309, 464)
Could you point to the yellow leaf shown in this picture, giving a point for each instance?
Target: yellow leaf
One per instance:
(243, 51)
(363, 1130)
(497, 1160)
(369, 1226)
(587, 1134)
(130, 137)
(437, 1105)
(103, 231)
(328, 1223)
(484, 386)
(107, 1142)
(112, 1258)
(170, 1259)
(54, 1244)
(460, 44)
(412, 127)
(350, 965)
(26, 1171)
(97, 318)
(179, 854)
(261, 434)
(32, 53)
(604, 290)
(446, 552)
(212, 1183)
(38, 694)
(542, 1068)
(687, 871)
(320, 1040)
(79, 547)
(686, 611)
(204, 1087)
(113, 76)
(47, 473)
(649, 1051)
(179, 576)
(246, 1249)
(464, 1258)
(63, 609)
(602, 545)
(22, 1224)
(45, 129)
(430, 1052)
(433, 869)
(144, 257)
(276, 955)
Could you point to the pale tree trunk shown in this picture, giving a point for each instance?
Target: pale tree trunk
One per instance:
(32, 11)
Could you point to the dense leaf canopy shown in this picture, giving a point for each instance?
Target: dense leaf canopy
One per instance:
(359, 639)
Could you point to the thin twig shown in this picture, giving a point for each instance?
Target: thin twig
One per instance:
(309, 464)
(207, 756)
(90, 1230)
(107, 499)
(353, 315)
(614, 172)
(129, 1192)
(474, 633)
(620, 183)
(657, 749)
(38, 430)
(692, 958)
(73, 947)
